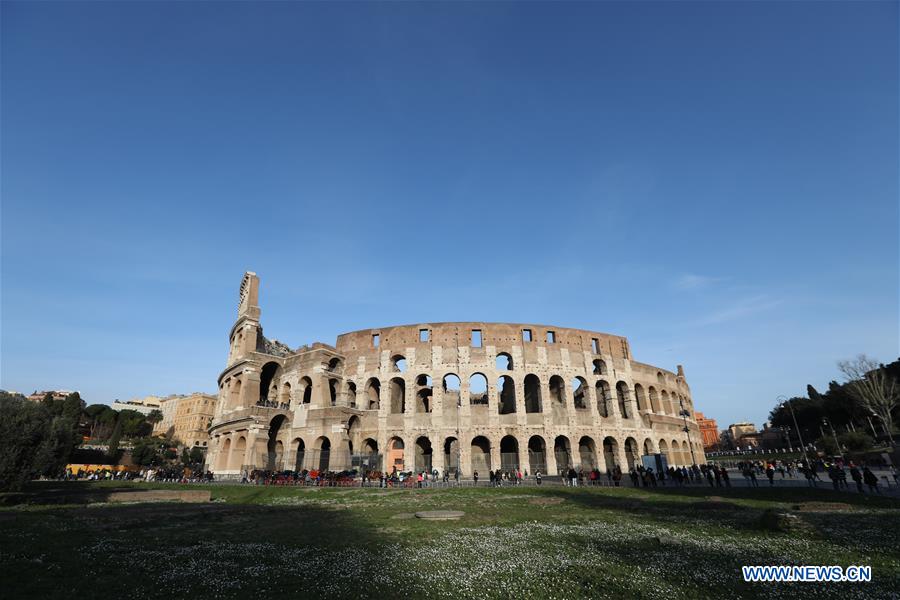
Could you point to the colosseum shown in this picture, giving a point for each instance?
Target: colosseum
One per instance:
(451, 397)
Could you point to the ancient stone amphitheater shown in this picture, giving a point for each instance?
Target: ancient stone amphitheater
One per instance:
(446, 396)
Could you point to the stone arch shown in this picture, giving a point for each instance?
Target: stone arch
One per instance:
(398, 363)
(351, 394)
(622, 393)
(664, 450)
(234, 400)
(450, 386)
(666, 405)
(533, 394)
(506, 391)
(509, 453)
(600, 367)
(323, 448)
(332, 391)
(632, 453)
(424, 394)
(240, 448)
(610, 453)
(268, 381)
(305, 389)
(579, 393)
(587, 453)
(395, 455)
(451, 455)
(481, 455)
(675, 450)
(537, 454)
(373, 394)
(334, 365)
(640, 398)
(224, 454)
(274, 447)
(478, 389)
(369, 446)
(503, 362)
(423, 458)
(562, 451)
(398, 396)
(648, 447)
(557, 391)
(603, 397)
(654, 399)
(299, 447)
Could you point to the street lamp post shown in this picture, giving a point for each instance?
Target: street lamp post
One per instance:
(833, 434)
(684, 415)
(787, 402)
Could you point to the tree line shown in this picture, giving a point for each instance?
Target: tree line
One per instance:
(854, 413)
(38, 439)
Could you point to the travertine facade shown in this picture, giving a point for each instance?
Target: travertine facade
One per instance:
(437, 395)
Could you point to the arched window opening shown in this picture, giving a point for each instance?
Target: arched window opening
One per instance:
(537, 455)
(631, 452)
(267, 384)
(395, 458)
(509, 454)
(332, 391)
(563, 453)
(306, 387)
(622, 394)
(639, 397)
(399, 363)
(450, 386)
(533, 394)
(351, 394)
(478, 392)
(507, 392)
(423, 460)
(579, 387)
(600, 367)
(398, 396)
(504, 362)
(587, 452)
(424, 394)
(481, 455)
(451, 455)
(373, 394)
(610, 450)
(603, 398)
(557, 390)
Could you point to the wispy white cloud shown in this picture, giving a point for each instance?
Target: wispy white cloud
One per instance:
(741, 308)
(692, 281)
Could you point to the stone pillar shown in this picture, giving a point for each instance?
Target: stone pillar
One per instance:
(550, 458)
(249, 388)
(495, 453)
(250, 453)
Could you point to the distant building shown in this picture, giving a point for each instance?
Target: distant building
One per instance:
(188, 417)
(56, 394)
(144, 405)
(709, 431)
(772, 438)
(193, 416)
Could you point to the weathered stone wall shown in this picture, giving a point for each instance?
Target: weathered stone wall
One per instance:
(578, 395)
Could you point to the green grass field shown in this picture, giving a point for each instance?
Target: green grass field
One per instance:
(549, 542)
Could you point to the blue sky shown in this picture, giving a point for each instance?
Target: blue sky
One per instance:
(716, 181)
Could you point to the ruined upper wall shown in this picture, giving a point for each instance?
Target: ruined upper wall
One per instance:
(502, 337)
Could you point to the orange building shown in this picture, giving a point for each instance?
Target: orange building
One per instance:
(709, 430)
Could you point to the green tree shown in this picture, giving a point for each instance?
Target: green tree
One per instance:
(113, 450)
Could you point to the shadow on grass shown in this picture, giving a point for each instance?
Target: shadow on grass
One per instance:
(166, 550)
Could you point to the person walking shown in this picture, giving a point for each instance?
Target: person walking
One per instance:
(475, 477)
(857, 477)
(537, 476)
(871, 480)
(770, 473)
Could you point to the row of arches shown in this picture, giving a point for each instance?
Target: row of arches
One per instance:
(627, 400)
